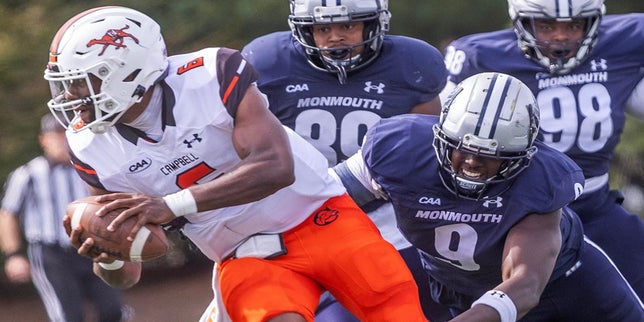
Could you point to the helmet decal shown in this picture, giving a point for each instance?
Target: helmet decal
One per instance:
(113, 37)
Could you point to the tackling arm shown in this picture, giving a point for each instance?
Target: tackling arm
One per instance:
(529, 256)
(531, 249)
(355, 177)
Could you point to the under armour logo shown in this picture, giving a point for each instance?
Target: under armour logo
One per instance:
(493, 202)
(601, 64)
(498, 294)
(195, 139)
(378, 88)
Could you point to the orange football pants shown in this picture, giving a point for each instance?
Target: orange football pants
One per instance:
(338, 248)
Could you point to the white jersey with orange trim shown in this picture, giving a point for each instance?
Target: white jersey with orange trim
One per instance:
(197, 101)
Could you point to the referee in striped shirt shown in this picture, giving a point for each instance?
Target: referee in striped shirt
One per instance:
(35, 197)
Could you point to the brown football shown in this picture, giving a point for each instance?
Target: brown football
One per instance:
(150, 242)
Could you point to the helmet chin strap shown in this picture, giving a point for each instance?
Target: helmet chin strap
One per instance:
(342, 74)
(336, 59)
(555, 56)
(559, 55)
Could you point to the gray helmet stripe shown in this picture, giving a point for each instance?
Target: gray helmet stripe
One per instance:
(504, 97)
(486, 103)
(491, 106)
(563, 8)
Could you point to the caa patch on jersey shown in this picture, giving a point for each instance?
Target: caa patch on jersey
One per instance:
(150, 242)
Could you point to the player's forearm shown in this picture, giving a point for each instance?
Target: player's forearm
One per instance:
(264, 149)
(122, 278)
(524, 290)
(479, 313)
(355, 187)
(530, 253)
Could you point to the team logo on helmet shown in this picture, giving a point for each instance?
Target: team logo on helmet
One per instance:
(113, 37)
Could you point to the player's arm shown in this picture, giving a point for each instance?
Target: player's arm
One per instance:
(635, 103)
(531, 249)
(356, 178)
(123, 277)
(266, 159)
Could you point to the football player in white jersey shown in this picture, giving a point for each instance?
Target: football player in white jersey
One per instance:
(332, 76)
(188, 141)
(586, 70)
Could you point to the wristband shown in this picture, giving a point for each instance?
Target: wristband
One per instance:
(117, 264)
(501, 302)
(181, 203)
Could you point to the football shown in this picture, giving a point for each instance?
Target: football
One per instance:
(150, 242)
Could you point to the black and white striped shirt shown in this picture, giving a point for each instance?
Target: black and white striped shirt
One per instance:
(39, 193)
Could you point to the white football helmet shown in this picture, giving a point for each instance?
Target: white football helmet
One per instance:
(122, 47)
(524, 12)
(489, 114)
(306, 13)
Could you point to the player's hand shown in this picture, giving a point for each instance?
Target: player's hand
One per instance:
(74, 234)
(84, 247)
(147, 210)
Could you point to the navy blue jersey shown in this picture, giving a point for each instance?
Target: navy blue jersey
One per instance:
(582, 112)
(334, 117)
(462, 240)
